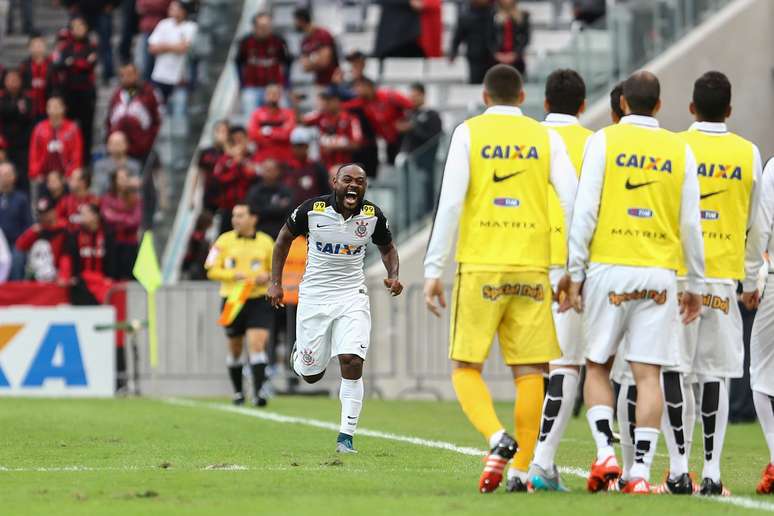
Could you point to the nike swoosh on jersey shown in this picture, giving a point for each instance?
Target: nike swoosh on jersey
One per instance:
(326, 225)
(498, 179)
(704, 196)
(633, 186)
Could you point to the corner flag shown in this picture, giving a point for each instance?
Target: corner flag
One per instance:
(146, 271)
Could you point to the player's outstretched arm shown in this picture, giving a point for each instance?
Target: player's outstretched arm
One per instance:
(280, 254)
(392, 263)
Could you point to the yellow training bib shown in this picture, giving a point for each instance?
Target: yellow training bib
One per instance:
(505, 216)
(639, 213)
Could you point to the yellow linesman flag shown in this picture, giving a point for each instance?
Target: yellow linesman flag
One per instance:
(146, 271)
(235, 301)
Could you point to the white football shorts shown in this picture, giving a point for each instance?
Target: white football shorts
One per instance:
(762, 343)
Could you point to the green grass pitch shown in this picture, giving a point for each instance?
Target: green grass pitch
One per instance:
(144, 456)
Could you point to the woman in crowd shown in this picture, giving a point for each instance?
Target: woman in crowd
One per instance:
(121, 210)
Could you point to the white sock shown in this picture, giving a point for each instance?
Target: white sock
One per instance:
(495, 438)
(351, 396)
(672, 423)
(645, 441)
(689, 417)
(259, 357)
(714, 418)
(764, 406)
(627, 399)
(557, 409)
(600, 418)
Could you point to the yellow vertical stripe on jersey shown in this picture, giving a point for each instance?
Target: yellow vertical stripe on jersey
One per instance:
(505, 217)
(724, 164)
(574, 137)
(639, 215)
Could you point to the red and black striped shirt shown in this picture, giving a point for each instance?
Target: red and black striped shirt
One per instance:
(262, 61)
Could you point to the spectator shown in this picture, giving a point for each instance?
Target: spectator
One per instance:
(38, 77)
(90, 258)
(384, 109)
(234, 174)
(198, 248)
(15, 216)
(44, 242)
(26, 12)
(117, 157)
(588, 11)
(340, 131)
(511, 34)
(121, 211)
(270, 199)
(169, 43)
(345, 79)
(420, 142)
(54, 188)
(56, 143)
(130, 22)
(76, 58)
(431, 28)
(99, 16)
(208, 158)
(150, 13)
(399, 29)
(305, 177)
(3, 149)
(16, 121)
(68, 208)
(262, 59)
(318, 48)
(6, 259)
(474, 29)
(270, 127)
(134, 110)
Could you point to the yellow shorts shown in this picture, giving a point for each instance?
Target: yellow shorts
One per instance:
(514, 305)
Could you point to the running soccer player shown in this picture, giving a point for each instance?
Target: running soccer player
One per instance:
(498, 173)
(334, 314)
(711, 349)
(243, 255)
(762, 340)
(638, 201)
(565, 100)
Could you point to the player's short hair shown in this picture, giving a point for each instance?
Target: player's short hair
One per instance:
(503, 83)
(615, 100)
(642, 92)
(302, 14)
(712, 96)
(251, 210)
(353, 164)
(565, 91)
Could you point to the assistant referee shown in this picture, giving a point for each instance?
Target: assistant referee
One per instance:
(244, 255)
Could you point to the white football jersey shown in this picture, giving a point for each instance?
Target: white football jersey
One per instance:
(336, 247)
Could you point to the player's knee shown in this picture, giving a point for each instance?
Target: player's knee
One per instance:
(313, 378)
(351, 366)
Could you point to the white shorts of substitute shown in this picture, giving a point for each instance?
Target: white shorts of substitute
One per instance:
(712, 344)
(324, 331)
(569, 329)
(635, 303)
(762, 343)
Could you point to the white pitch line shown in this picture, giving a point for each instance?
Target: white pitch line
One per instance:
(738, 501)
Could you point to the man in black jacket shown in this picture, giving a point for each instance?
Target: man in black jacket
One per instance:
(474, 28)
(16, 123)
(399, 27)
(271, 199)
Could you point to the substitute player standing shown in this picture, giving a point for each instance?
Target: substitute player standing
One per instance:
(565, 101)
(244, 255)
(498, 173)
(711, 349)
(638, 201)
(760, 240)
(334, 314)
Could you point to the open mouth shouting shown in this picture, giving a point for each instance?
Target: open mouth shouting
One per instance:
(351, 198)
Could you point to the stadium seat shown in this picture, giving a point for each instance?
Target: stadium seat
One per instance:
(403, 69)
(282, 16)
(440, 69)
(300, 77)
(449, 13)
(544, 41)
(363, 41)
(373, 12)
(433, 95)
(541, 14)
(373, 69)
(464, 96)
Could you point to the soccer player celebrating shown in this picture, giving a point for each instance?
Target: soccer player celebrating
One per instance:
(711, 349)
(241, 258)
(499, 170)
(565, 100)
(762, 340)
(637, 206)
(334, 315)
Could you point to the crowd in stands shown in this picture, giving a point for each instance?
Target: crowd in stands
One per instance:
(65, 217)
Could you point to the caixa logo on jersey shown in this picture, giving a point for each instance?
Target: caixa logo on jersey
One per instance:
(506, 202)
(710, 215)
(345, 249)
(642, 213)
(56, 352)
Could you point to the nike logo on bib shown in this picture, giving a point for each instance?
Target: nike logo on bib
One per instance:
(704, 196)
(498, 179)
(326, 225)
(633, 186)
